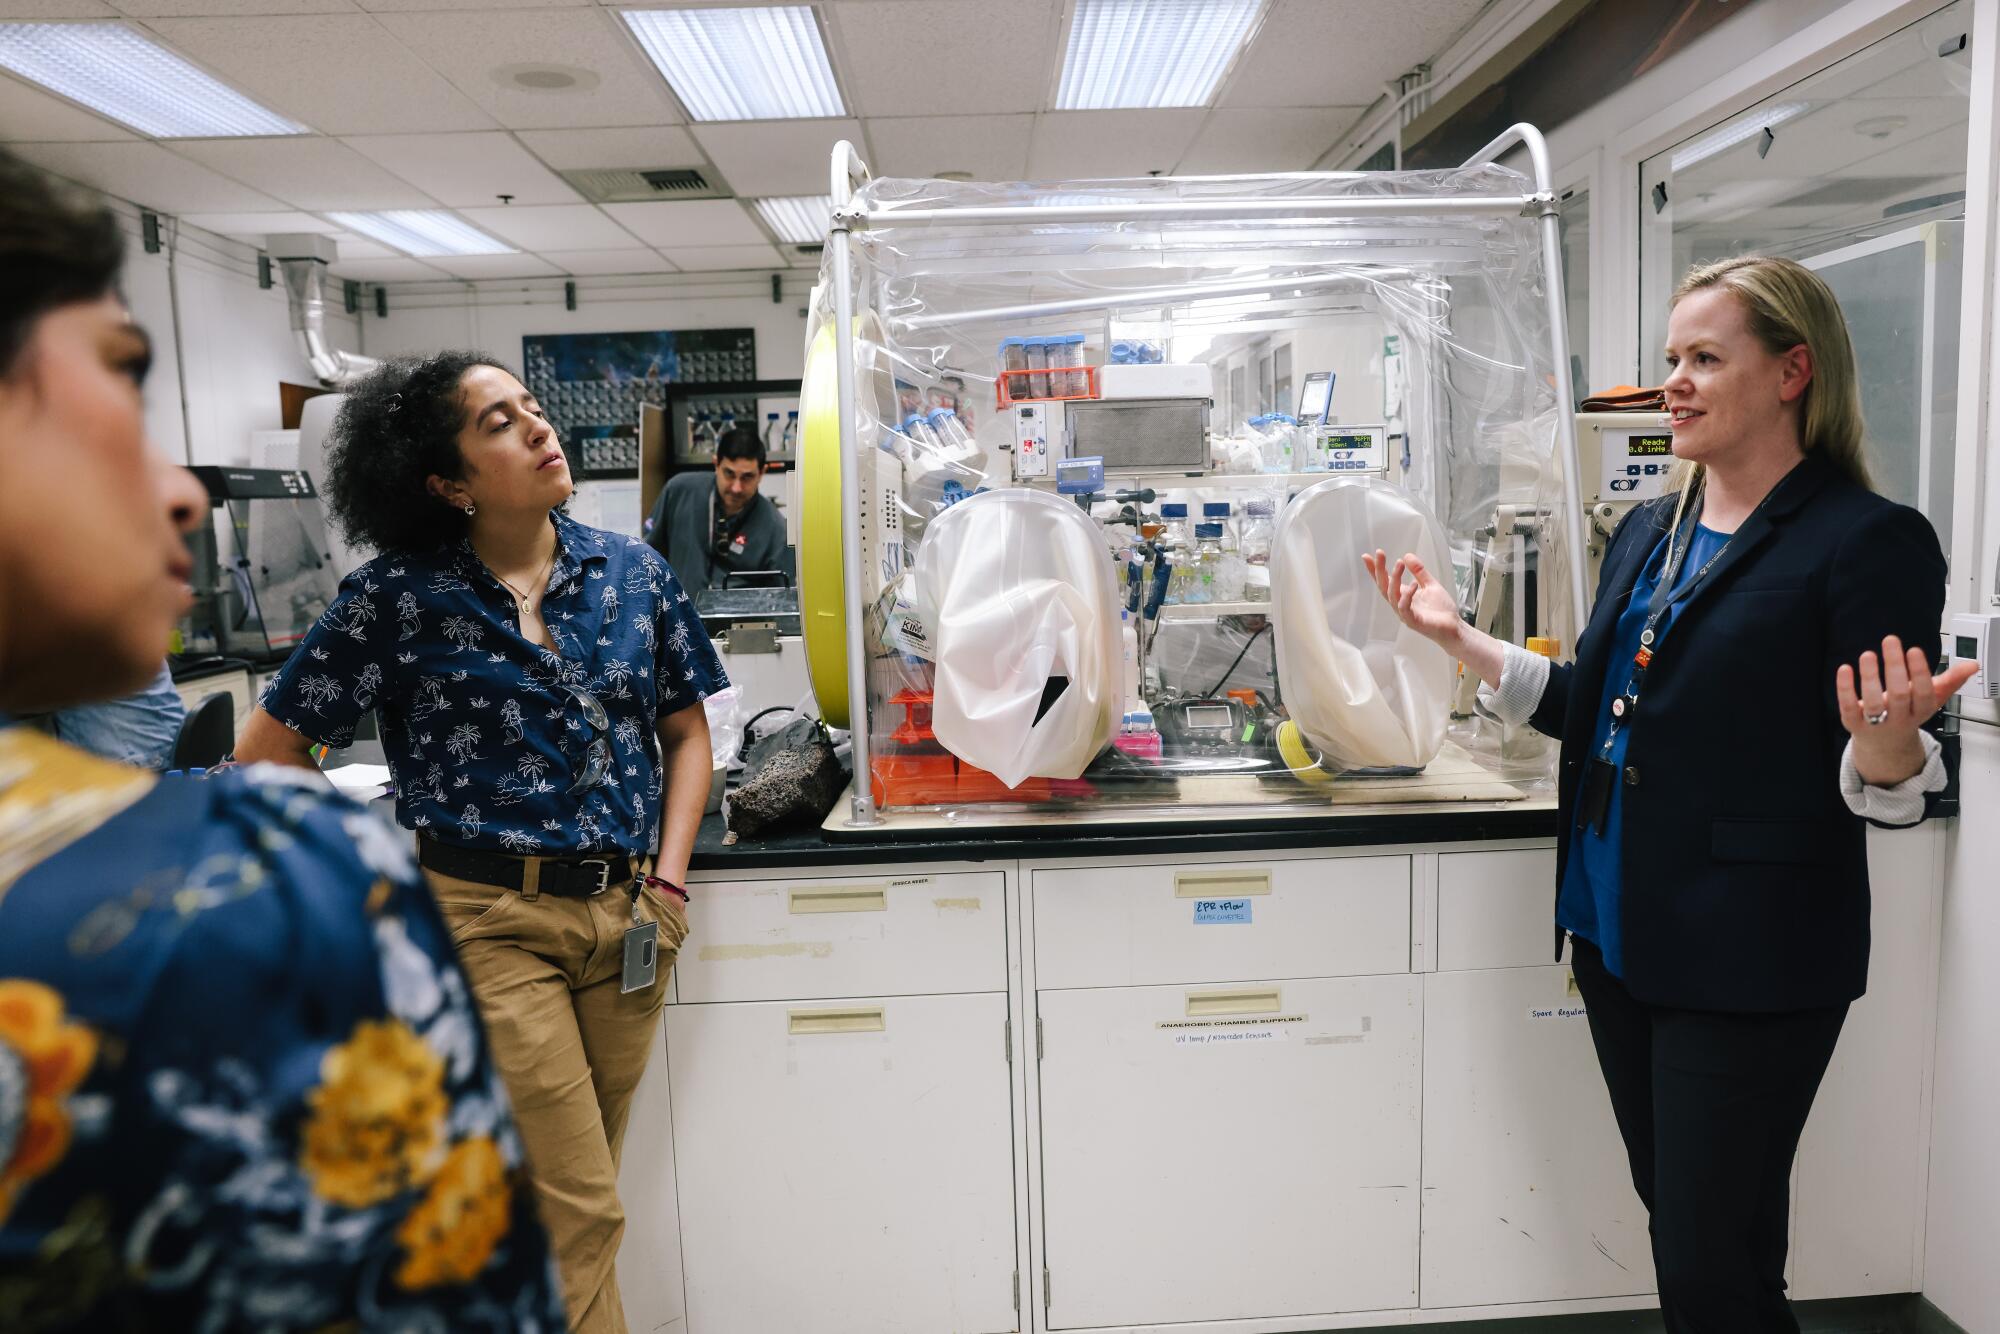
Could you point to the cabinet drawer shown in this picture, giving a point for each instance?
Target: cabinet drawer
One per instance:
(859, 936)
(1496, 909)
(1221, 921)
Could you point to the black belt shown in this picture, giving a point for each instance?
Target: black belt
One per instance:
(570, 877)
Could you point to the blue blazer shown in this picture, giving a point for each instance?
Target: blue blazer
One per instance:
(1744, 875)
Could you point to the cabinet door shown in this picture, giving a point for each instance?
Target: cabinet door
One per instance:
(1222, 1153)
(1159, 924)
(1527, 1192)
(649, 1258)
(845, 1166)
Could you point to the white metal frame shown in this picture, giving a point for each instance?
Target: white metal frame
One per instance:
(848, 170)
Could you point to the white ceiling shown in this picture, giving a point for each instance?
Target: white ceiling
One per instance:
(412, 106)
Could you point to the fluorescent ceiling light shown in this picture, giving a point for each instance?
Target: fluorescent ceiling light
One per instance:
(1726, 136)
(741, 64)
(1151, 53)
(418, 231)
(797, 221)
(113, 70)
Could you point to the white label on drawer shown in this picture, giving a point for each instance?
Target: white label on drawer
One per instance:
(1219, 912)
(1555, 1012)
(1228, 1032)
(911, 882)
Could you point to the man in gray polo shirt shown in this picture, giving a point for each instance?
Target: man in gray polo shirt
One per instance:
(710, 525)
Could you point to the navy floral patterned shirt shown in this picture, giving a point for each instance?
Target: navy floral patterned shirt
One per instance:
(483, 728)
(243, 1083)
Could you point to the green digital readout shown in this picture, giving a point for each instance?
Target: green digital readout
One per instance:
(1347, 441)
(1649, 446)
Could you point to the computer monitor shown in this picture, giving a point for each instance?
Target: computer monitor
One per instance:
(1316, 397)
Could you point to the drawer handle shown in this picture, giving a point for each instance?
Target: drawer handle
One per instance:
(1204, 1004)
(1221, 884)
(840, 898)
(807, 1023)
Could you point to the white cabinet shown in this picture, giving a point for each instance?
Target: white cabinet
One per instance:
(1111, 926)
(1496, 909)
(649, 1259)
(905, 934)
(845, 1167)
(1858, 1195)
(1527, 1191)
(1227, 1152)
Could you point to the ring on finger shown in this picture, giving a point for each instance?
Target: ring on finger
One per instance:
(1876, 719)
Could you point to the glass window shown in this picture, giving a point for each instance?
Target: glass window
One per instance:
(1573, 217)
(1859, 172)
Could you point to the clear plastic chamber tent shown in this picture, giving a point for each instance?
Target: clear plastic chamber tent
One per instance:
(1089, 468)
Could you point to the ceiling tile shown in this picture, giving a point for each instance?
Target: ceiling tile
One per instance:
(713, 258)
(992, 148)
(689, 222)
(580, 150)
(149, 176)
(467, 170)
(339, 73)
(231, 8)
(946, 57)
(1265, 139)
(1314, 53)
(349, 246)
(595, 263)
(776, 157)
(257, 226)
(494, 266)
(424, 6)
(551, 227)
(1088, 145)
(615, 84)
(307, 173)
(386, 270)
(29, 115)
(56, 9)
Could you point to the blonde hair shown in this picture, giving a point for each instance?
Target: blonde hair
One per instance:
(1786, 304)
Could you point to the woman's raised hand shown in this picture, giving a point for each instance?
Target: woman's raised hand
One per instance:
(1884, 704)
(1421, 602)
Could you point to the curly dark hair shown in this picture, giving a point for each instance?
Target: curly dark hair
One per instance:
(58, 246)
(399, 426)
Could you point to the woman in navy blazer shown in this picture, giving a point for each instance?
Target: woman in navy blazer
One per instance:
(1726, 728)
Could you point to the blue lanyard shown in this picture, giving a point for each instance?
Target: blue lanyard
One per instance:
(1665, 598)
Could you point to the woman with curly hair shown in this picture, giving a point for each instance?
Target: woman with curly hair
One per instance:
(241, 1082)
(538, 686)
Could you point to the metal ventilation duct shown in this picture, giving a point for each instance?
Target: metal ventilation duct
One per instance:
(303, 260)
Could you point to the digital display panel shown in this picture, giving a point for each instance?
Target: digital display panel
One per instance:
(1649, 447)
(1207, 717)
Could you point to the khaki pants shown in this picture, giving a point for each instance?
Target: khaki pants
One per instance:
(545, 972)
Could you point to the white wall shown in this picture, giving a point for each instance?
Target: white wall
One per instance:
(235, 344)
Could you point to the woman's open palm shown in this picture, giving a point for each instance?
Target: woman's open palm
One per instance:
(1421, 602)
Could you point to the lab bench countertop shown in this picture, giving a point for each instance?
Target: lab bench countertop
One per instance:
(805, 849)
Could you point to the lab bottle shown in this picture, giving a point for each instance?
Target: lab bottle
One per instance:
(728, 425)
(1207, 563)
(1217, 511)
(772, 435)
(951, 433)
(1014, 358)
(923, 440)
(789, 442)
(1256, 550)
(1176, 548)
(1038, 367)
(1067, 352)
(701, 438)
